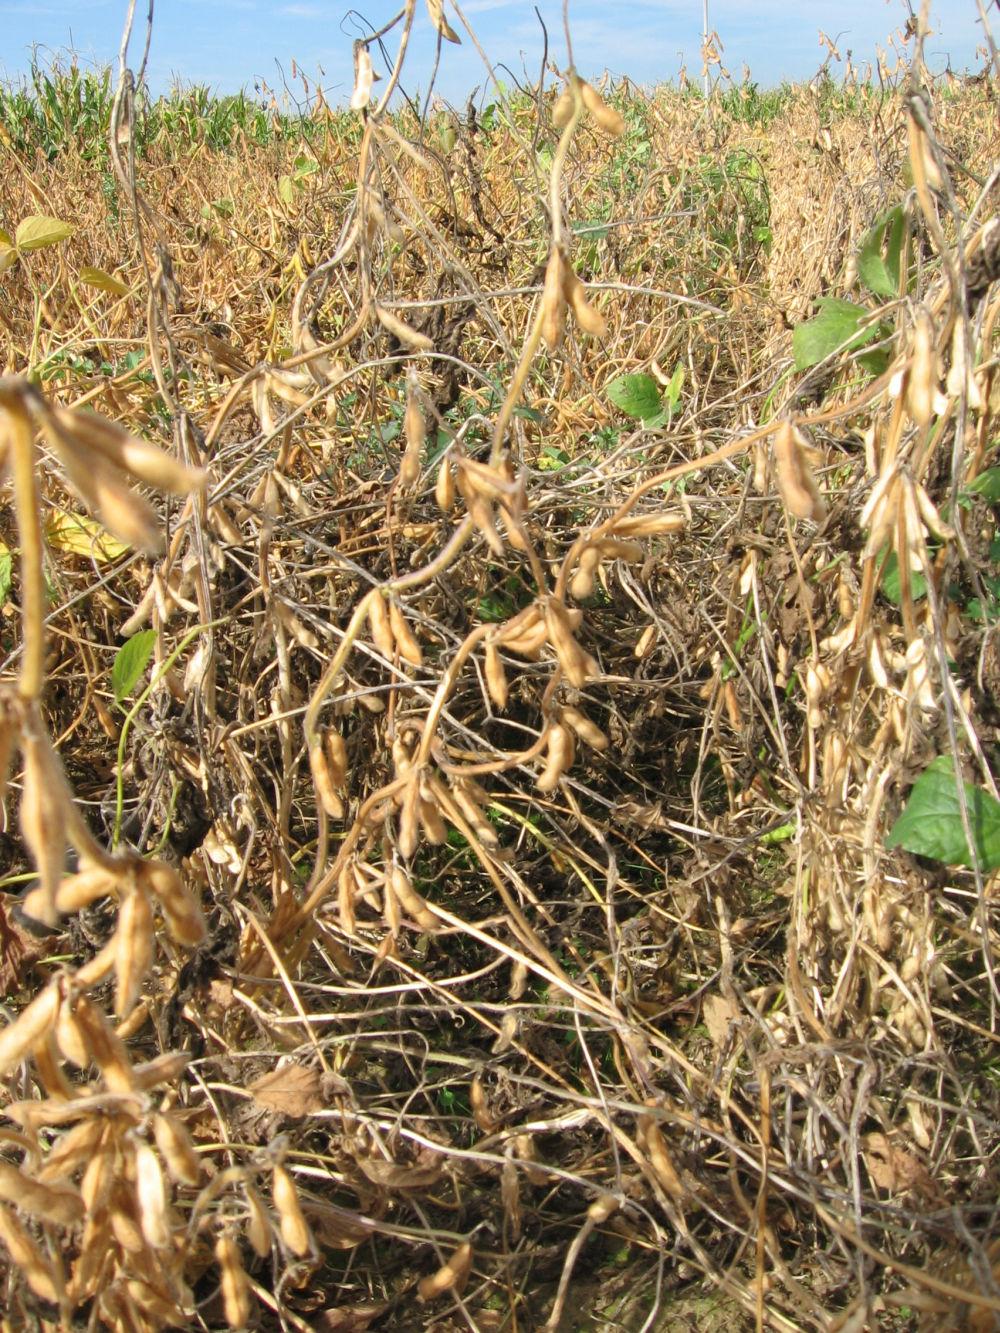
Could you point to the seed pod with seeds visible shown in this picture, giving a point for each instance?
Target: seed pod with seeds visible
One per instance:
(406, 640)
(98, 1177)
(235, 1287)
(73, 1149)
(408, 817)
(588, 316)
(411, 901)
(123, 450)
(177, 1149)
(43, 823)
(180, 910)
(560, 757)
(151, 1197)
(60, 1205)
(646, 640)
(378, 618)
(529, 642)
(469, 807)
(480, 1111)
(582, 583)
(134, 949)
(496, 676)
(606, 116)
(165, 1068)
(123, 1215)
(346, 885)
(322, 776)
(294, 1228)
(435, 9)
(588, 731)
(414, 431)
(554, 299)
(122, 510)
(578, 665)
(450, 1276)
(433, 825)
(510, 1197)
(652, 1140)
(258, 1223)
(562, 108)
(33, 1023)
(45, 1055)
(70, 1037)
(28, 1258)
(444, 489)
(106, 1049)
(651, 525)
(613, 548)
(795, 479)
(403, 332)
(364, 77)
(159, 1311)
(921, 379)
(78, 891)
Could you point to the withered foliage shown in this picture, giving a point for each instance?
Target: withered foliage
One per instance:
(480, 915)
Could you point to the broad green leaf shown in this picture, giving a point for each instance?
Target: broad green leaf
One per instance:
(987, 484)
(35, 233)
(6, 573)
(591, 231)
(130, 662)
(878, 260)
(105, 282)
(892, 587)
(835, 326)
(637, 396)
(931, 821)
(8, 252)
(79, 535)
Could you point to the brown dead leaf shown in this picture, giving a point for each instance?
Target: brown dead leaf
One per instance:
(348, 1318)
(896, 1170)
(392, 1175)
(291, 1090)
(19, 950)
(718, 1013)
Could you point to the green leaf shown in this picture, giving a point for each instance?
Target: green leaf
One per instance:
(8, 253)
(638, 396)
(878, 260)
(987, 484)
(834, 327)
(675, 387)
(130, 662)
(931, 821)
(286, 190)
(6, 573)
(892, 587)
(35, 233)
(105, 282)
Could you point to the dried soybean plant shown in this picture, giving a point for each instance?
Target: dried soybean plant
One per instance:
(467, 928)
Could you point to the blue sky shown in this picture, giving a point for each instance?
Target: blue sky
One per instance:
(229, 44)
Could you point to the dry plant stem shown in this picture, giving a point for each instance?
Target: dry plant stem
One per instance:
(535, 336)
(28, 508)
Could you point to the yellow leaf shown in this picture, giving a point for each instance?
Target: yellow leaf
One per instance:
(8, 253)
(105, 282)
(77, 534)
(36, 232)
